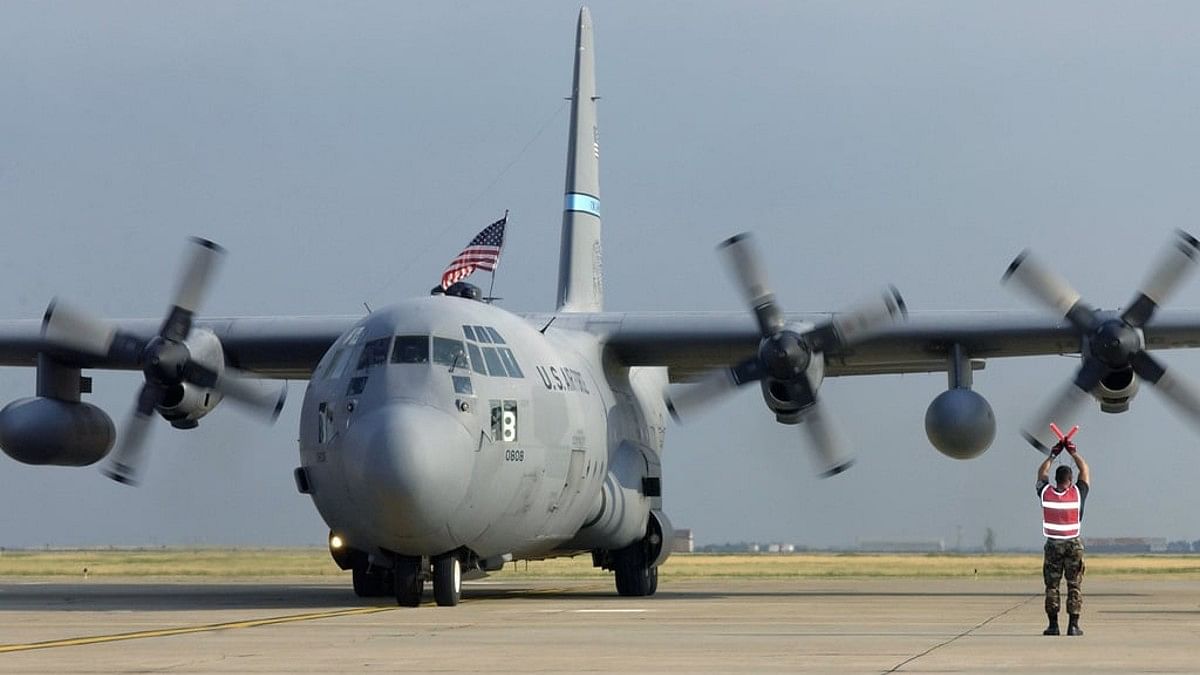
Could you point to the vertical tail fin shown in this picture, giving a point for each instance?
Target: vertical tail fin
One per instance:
(580, 272)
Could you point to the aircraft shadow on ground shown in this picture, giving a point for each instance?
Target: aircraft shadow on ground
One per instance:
(301, 598)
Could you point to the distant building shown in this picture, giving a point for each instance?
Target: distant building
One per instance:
(683, 542)
(902, 546)
(1125, 544)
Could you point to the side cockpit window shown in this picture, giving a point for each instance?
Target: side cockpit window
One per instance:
(411, 349)
(340, 357)
(476, 358)
(510, 362)
(374, 353)
(494, 364)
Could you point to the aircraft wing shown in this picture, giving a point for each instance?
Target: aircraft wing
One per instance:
(687, 343)
(285, 347)
(691, 343)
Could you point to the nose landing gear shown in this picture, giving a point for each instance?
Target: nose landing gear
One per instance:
(410, 573)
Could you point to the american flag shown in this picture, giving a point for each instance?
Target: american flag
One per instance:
(482, 253)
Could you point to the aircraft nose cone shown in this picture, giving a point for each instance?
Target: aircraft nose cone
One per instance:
(415, 463)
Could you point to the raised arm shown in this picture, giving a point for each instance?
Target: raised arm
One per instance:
(1085, 476)
(1044, 470)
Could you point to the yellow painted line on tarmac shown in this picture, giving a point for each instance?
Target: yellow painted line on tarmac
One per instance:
(184, 630)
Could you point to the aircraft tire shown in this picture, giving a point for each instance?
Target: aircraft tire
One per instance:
(368, 583)
(408, 582)
(447, 580)
(634, 578)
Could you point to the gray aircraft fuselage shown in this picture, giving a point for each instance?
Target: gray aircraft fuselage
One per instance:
(443, 423)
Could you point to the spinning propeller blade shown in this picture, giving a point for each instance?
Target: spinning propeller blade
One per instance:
(165, 360)
(785, 354)
(1112, 345)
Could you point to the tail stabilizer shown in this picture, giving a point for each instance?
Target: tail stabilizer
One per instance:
(580, 268)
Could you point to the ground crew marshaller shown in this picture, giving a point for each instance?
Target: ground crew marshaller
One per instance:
(1062, 513)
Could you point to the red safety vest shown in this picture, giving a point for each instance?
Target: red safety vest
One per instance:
(1060, 512)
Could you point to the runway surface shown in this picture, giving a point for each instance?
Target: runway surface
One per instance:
(848, 626)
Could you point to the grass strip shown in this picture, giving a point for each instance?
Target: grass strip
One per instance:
(315, 562)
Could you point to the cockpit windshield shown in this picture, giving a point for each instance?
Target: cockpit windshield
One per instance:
(450, 353)
(411, 349)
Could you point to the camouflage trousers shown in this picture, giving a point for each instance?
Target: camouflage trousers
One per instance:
(1064, 557)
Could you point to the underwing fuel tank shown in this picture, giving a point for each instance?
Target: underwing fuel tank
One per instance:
(43, 430)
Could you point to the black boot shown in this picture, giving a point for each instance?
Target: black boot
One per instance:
(1052, 629)
(1073, 625)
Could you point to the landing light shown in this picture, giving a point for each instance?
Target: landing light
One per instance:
(336, 543)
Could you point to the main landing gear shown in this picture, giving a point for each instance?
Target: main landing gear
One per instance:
(635, 576)
(635, 566)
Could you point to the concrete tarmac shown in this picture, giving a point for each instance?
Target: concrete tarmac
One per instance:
(712, 625)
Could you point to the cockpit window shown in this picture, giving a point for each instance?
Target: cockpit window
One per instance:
(494, 364)
(481, 334)
(357, 386)
(469, 332)
(374, 352)
(495, 335)
(510, 362)
(411, 349)
(476, 359)
(337, 362)
(462, 385)
(450, 353)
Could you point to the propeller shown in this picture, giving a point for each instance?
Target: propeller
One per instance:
(784, 355)
(164, 359)
(1110, 342)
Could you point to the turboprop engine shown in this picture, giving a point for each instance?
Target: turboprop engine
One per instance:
(789, 362)
(781, 400)
(1116, 390)
(1113, 345)
(184, 403)
(183, 367)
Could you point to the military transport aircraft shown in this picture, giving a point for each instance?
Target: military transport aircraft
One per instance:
(444, 435)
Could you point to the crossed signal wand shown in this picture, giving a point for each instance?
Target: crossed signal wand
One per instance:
(1064, 440)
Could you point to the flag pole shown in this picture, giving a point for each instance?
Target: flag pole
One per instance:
(492, 283)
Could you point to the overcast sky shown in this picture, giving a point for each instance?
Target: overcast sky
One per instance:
(344, 152)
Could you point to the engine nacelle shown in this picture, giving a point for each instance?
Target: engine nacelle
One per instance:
(960, 423)
(1116, 390)
(776, 396)
(42, 430)
(184, 404)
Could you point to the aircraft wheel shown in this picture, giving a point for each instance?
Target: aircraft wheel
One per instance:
(368, 583)
(634, 577)
(447, 580)
(408, 582)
